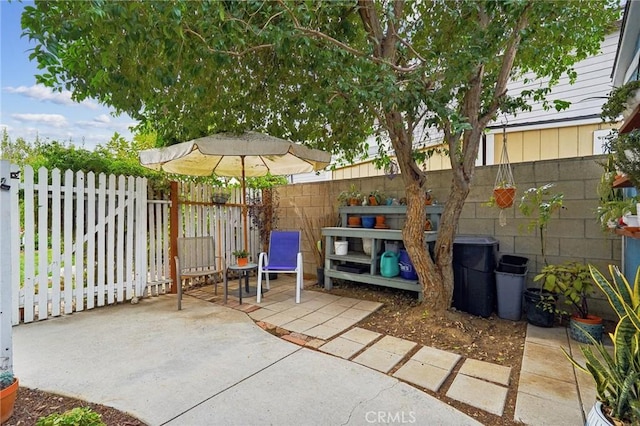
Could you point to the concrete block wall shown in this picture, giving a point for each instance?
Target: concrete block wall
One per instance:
(573, 234)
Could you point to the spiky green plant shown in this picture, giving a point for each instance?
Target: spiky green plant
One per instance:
(617, 377)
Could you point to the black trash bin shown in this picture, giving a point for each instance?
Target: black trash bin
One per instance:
(474, 284)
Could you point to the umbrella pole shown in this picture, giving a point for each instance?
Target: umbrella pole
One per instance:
(244, 205)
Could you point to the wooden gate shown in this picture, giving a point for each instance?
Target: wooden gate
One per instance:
(82, 243)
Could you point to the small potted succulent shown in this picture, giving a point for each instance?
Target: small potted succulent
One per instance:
(8, 393)
(242, 257)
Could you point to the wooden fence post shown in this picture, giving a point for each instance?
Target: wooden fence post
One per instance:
(173, 236)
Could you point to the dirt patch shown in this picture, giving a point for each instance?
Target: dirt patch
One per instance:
(487, 339)
(31, 404)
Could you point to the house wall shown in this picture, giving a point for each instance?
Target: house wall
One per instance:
(573, 235)
(586, 94)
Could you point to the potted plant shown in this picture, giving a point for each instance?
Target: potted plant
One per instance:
(221, 195)
(608, 213)
(573, 281)
(8, 393)
(351, 197)
(621, 101)
(625, 148)
(539, 205)
(504, 194)
(428, 198)
(242, 257)
(617, 376)
(377, 198)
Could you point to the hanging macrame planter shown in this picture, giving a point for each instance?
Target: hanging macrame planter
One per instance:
(504, 189)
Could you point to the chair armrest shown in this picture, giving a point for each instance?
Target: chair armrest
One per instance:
(263, 260)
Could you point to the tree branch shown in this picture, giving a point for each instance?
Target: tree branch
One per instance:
(369, 18)
(228, 52)
(322, 36)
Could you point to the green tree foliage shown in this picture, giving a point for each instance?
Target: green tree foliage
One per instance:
(118, 156)
(327, 73)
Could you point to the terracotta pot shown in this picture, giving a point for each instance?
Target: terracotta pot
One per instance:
(354, 221)
(428, 200)
(354, 202)
(243, 261)
(504, 197)
(7, 400)
(380, 220)
(373, 201)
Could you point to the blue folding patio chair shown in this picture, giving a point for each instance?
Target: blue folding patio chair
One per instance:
(285, 257)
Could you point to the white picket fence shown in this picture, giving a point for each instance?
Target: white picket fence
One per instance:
(92, 241)
(198, 217)
(84, 242)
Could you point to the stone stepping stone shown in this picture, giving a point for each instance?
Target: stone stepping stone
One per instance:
(478, 393)
(428, 368)
(350, 343)
(385, 353)
(486, 371)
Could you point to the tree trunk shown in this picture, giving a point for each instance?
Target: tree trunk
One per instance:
(446, 234)
(435, 296)
(267, 207)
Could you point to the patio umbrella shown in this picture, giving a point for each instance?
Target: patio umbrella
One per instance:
(236, 155)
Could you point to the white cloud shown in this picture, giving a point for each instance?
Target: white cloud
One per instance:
(103, 118)
(45, 94)
(53, 120)
(104, 121)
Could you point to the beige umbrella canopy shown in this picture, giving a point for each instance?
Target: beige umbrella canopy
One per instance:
(236, 155)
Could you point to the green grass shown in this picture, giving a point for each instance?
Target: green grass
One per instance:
(36, 262)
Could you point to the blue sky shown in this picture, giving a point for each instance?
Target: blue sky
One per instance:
(27, 108)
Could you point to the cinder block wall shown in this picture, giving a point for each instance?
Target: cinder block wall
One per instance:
(573, 234)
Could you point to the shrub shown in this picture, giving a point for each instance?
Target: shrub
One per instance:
(79, 416)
